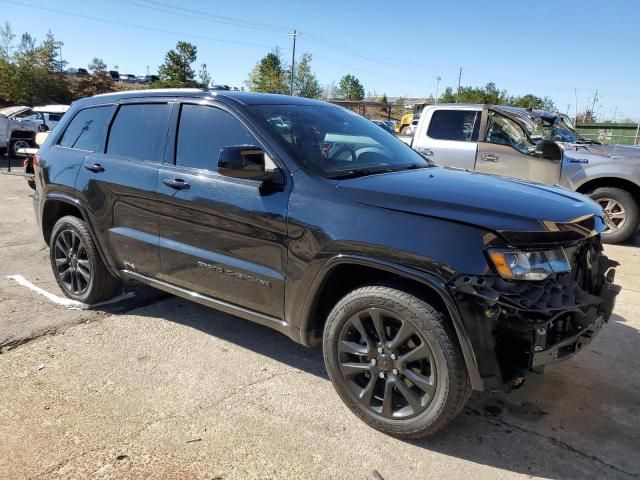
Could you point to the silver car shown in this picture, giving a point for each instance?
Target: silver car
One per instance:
(535, 146)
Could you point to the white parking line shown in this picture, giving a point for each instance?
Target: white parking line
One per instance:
(66, 302)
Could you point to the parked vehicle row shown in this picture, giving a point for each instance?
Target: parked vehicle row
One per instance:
(535, 146)
(420, 282)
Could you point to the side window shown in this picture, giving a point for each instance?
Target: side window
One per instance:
(203, 131)
(139, 131)
(456, 125)
(502, 130)
(84, 132)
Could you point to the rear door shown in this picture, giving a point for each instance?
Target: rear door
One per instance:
(451, 136)
(506, 150)
(119, 185)
(219, 236)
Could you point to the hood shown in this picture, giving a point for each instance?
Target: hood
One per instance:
(520, 212)
(611, 151)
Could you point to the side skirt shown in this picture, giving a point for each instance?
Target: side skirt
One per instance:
(257, 317)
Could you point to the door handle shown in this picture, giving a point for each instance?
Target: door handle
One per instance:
(425, 151)
(94, 167)
(176, 183)
(489, 157)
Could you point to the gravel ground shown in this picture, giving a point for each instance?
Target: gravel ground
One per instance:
(158, 387)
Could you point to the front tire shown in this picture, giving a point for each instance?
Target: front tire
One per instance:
(17, 143)
(622, 211)
(395, 361)
(77, 266)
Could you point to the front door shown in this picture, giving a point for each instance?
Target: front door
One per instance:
(508, 151)
(119, 186)
(222, 237)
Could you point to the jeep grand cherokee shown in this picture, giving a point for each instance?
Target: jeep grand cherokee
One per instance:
(421, 283)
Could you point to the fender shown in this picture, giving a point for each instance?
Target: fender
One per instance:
(62, 197)
(431, 281)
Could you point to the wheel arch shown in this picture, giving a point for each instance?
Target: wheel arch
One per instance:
(56, 206)
(344, 273)
(614, 182)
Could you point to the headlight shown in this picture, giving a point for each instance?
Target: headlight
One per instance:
(533, 265)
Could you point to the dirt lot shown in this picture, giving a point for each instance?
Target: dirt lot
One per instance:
(157, 387)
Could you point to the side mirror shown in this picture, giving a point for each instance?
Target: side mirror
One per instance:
(41, 137)
(244, 161)
(549, 149)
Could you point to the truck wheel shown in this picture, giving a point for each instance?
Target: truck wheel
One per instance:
(17, 143)
(395, 361)
(77, 265)
(622, 212)
(404, 130)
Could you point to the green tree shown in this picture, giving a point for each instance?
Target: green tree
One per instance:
(350, 88)
(490, 95)
(270, 75)
(383, 98)
(329, 91)
(176, 70)
(305, 83)
(533, 102)
(204, 76)
(98, 82)
(6, 41)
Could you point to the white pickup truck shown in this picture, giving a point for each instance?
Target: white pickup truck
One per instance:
(536, 146)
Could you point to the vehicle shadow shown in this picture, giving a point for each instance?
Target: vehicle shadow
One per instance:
(531, 431)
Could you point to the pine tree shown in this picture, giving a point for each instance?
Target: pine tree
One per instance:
(269, 75)
(305, 83)
(176, 70)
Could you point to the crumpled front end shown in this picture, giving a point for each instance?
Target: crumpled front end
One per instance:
(521, 326)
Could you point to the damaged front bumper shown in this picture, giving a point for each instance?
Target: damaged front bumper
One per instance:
(520, 326)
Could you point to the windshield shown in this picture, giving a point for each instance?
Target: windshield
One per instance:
(561, 129)
(336, 142)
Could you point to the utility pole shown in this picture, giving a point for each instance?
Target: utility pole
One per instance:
(295, 34)
(593, 107)
(459, 80)
(438, 78)
(575, 92)
(147, 69)
(568, 107)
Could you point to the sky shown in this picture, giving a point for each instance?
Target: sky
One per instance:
(566, 50)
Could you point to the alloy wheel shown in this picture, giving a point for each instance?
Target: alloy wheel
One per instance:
(615, 213)
(72, 262)
(387, 364)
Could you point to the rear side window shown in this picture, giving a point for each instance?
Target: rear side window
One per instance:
(203, 131)
(139, 131)
(85, 131)
(456, 125)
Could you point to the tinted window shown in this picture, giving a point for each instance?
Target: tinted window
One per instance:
(203, 131)
(85, 130)
(457, 125)
(139, 131)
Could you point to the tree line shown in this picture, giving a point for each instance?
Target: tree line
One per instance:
(33, 73)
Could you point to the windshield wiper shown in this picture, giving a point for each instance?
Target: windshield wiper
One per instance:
(363, 172)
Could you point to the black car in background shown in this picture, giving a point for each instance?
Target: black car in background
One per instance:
(421, 283)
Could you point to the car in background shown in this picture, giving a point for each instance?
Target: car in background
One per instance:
(129, 78)
(115, 76)
(17, 129)
(148, 78)
(535, 146)
(384, 125)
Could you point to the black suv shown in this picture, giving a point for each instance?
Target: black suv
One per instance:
(421, 283)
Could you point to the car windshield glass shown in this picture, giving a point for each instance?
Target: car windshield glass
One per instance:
(335, 142)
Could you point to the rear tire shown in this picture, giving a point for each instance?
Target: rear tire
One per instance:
(404, 130)
(409, 383)
(622, 209)
(77, 266)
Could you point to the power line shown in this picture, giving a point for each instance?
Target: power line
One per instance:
(132, 25)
